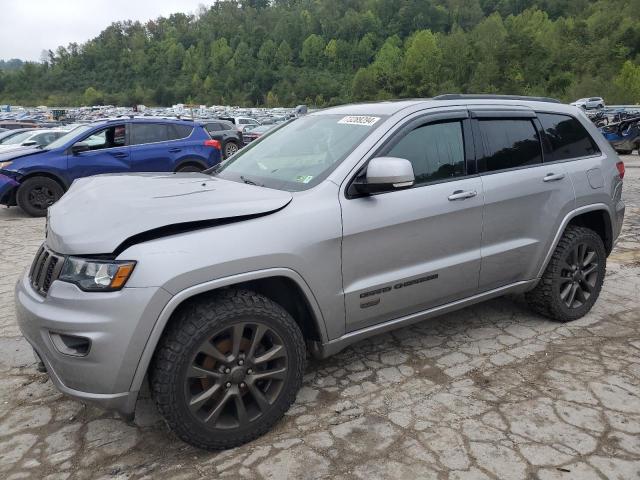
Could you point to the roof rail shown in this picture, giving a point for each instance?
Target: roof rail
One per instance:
(472, 96)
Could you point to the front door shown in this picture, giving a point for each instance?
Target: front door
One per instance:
(108, 153)
(405, 251)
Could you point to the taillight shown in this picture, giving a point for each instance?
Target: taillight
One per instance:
(620, 167)
(212, 143)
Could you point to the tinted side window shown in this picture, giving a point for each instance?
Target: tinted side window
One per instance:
(148, 133)
(567, 136)
(212, 127)
(436, 151)
(176, 132)
(509, 144)
(226, 126)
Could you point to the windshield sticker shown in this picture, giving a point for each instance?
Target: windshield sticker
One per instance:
(364, 120)
(304, 178)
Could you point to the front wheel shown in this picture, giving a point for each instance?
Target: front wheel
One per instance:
(228, 369)
(36, 194)
(573, 278)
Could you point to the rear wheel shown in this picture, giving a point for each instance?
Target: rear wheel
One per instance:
(573, 279)
(230, 148)
(228, 369)
(35, 195)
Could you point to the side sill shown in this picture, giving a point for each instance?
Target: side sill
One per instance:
(323, 350)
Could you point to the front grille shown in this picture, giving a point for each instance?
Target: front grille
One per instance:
(45, 269)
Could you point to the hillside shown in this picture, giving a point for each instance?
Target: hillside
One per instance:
(324, 52)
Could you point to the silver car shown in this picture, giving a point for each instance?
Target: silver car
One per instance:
(332, 228)
(589, 103)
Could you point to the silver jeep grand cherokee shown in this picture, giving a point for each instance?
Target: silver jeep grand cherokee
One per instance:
(336, 226)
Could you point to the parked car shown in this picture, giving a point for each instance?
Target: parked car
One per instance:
(225, 132)
(340, 225)
(35, 178)
(251, 134)
(12, 125)
(241, 122)
(31, 138)
(589, 103)
(8, 134)
(623, 136)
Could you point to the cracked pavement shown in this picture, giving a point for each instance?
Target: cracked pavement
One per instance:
(488, 392)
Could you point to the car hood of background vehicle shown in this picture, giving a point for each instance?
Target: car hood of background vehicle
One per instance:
(17, 152)
(99, 214)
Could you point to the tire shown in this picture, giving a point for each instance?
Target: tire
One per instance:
(230, 148)
(36, 194)
(556, 295)
(190, 168)
(229, 372)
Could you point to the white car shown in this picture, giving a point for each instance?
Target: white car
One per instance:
(589, 103)
(31, 138)
(241, 122)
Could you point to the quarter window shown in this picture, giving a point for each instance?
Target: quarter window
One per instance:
(567, 136)
(436, 151)
(509, 144)
(148, 133)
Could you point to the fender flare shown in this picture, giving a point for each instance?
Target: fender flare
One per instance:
(565, 221)
(178, 298)
(190, 161)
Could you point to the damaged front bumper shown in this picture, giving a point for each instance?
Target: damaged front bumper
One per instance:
(8, 188)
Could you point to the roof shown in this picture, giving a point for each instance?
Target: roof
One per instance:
(389, 107)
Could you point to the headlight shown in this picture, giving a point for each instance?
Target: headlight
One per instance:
(96, 275)
(5, 164)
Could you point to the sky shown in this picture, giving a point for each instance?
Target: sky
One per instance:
(29, 26)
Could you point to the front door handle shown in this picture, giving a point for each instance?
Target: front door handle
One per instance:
(120, 155)
(553, 177)
(462, 195)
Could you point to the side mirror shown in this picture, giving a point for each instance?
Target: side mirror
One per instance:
(384, 174)
(79, 148)
(29, 143)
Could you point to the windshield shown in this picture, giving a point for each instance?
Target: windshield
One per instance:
(17, 139)
(299, 154)
(63, 140)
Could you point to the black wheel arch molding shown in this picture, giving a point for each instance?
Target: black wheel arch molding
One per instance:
(239, 280)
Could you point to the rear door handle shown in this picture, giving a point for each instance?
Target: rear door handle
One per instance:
(120, 155)
(175, 150)
(553, 177)
(462, 195)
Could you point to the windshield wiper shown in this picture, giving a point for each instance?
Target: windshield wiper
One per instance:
(249, 182)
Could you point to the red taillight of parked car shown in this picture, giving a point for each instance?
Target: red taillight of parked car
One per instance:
(212, 143)
(620, 167)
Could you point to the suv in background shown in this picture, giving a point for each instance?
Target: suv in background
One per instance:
(241, 123)
(337, 226)
(35, 178)
(229, 137)
(589, 103)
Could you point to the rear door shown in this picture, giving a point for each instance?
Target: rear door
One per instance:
(525, 199)
(405, 251)
(157, 147)
(108, 153)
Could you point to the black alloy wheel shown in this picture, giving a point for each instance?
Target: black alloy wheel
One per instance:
(227, 369)
(578, 276)
(236, 375)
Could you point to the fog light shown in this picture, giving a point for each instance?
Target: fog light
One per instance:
(70, 344)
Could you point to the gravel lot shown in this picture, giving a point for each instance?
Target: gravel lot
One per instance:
(491, 391)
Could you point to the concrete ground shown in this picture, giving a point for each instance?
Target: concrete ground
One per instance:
(491, 391)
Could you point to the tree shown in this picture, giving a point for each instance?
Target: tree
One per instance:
(628, 82)
(422, 62)
(312, 50)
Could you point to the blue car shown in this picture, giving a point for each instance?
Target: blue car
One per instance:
(35, 178)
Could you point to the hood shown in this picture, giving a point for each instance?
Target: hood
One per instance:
(100, 214)
(7, 153)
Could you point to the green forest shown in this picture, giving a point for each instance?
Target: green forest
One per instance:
(327, 52)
